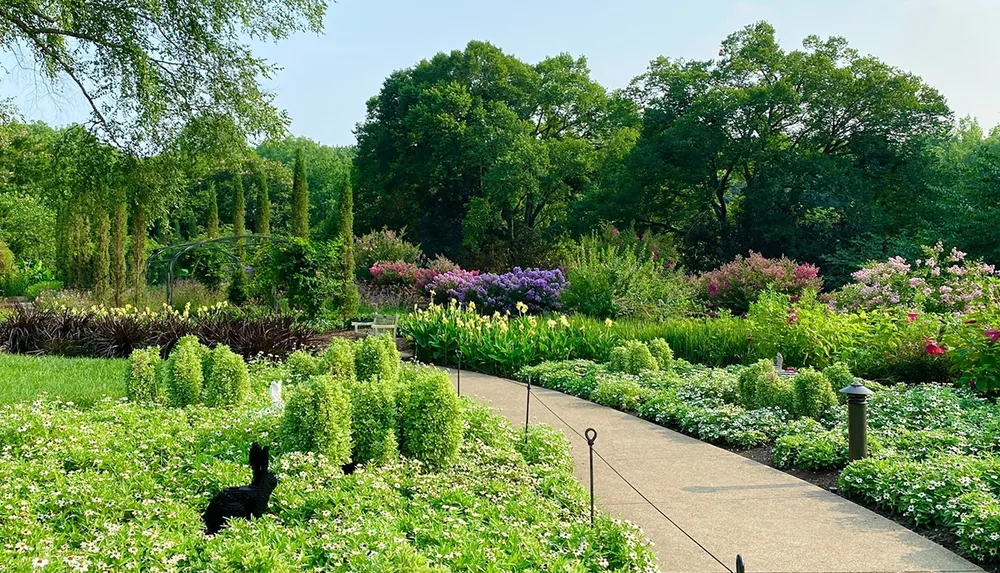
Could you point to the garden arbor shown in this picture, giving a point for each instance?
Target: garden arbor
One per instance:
(227, 246)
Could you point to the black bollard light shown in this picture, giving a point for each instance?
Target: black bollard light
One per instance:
(459, 354)
(591, 436)
(857, 419)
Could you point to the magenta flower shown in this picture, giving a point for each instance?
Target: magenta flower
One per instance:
(933, 348)
(911, 317)
(993, 334)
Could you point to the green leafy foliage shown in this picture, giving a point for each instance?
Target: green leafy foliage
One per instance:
(376, 357)
(620, 392)
(338, 359)
(813, 394)
(317, 418)
(662, 352)
(305, 274)
(303, 365)
(431, 421)
(6, 260)
(183, 372)
(374, 416)
(817, 450)
(227, 381)
(632, 357)
(143, 381)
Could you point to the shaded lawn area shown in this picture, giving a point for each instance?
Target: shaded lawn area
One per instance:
(82, 381)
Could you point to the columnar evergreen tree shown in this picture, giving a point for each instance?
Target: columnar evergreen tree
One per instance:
(300, 198)
(351, 296)
(212, 228)
(138, 274)
(102, 257)
(79, 248)
(238, 284)
(119, 230)
(263, 208)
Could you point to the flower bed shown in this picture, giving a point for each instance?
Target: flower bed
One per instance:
(122, 486)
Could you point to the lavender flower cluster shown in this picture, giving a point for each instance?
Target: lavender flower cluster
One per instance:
(539, 289)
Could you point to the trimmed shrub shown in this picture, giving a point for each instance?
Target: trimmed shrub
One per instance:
(376, 356)
(813, 394)
(338, 360)
(302, 366)
(431, 425)
(317, 418)
(619, 392)
(632, 357)
(373, 421)
(142, 383)
(227, 381)
(184, 375)
(760, 386)
(662, 352)
(839, 375)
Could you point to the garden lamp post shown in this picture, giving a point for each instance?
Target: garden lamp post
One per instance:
(857, 419)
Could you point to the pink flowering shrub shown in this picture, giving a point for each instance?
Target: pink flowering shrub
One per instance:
(939, 283)
(393, 273)
(737, 284)
(974, 348)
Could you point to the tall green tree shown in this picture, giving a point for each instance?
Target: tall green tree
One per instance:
(351, 296)
(263, 207)
(102, 258)
(145, 67)
(137, 270)
(212, 227)
(119, 232)
(239, 206)
(479, 154)
(300, 198)
(329, 172)
(775, 150)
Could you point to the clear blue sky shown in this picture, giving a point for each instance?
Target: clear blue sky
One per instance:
(327, 79)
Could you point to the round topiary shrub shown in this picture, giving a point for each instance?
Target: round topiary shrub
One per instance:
(430, 429)
(227, 381)
(839, 375)
(317, 418)
(662, 352)
(184, 376)
(373, 421)
(760, 386)
(301, 366)
(632, 358)
(338, 360)
(142, 382)
(376, 356)
(813, 394)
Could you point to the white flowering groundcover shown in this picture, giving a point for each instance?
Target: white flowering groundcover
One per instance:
(122, 486)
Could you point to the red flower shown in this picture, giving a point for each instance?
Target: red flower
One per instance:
(933, 348)
(911, 316)
(993, 334)
(792, 317)
(712, 289)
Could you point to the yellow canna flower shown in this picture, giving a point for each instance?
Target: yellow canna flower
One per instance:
(551, 323)
(608, 322)
(563, 320)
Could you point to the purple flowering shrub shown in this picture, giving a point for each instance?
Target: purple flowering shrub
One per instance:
(537, 289)
(737, 284)
(938, 283)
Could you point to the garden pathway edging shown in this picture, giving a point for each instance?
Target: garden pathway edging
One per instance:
(701, 505)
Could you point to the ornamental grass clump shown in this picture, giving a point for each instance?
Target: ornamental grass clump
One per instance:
(142, 382)
(373, 420)
(430, 427)
(183, 374)
(632, 357)
(376, 357)
(317, 418)
(227, 381)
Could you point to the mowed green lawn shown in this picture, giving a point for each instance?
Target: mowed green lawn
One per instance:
(82, 381)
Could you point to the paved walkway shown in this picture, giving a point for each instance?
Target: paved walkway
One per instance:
(701, 505)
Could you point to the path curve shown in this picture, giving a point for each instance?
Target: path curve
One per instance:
(701, 505)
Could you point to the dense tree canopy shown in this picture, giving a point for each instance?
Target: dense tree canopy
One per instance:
(146, 67)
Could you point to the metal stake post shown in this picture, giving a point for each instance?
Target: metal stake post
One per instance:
(527, 411)
(459, 354)
(740, 568)
(591, 435)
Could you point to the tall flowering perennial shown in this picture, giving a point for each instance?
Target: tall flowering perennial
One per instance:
(940, 282)
(537, 290)
(737, 284)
